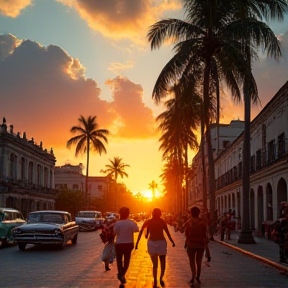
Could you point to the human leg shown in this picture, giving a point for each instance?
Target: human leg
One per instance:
(191, 252)
(119, 256)
(163, 267)
(127, 256)
(154, 259)
(199, 257)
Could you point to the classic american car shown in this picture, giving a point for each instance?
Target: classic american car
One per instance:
(9, 219)
(46, 227)
(89, 220)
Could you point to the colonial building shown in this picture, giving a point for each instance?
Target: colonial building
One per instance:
(222, 136)
(268, 168)
(268, 165)
(26, 172)
(70, 177)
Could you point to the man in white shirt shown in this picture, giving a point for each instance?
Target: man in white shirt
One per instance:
(124, 230)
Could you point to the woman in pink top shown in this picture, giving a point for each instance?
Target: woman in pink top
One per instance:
(157, 244)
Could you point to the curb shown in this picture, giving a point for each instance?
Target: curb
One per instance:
(260, 258)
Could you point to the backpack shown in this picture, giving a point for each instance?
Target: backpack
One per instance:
(107, 235)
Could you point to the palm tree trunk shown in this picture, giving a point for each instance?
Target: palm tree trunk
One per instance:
(186, 179)
(87, 176)
(246, 236)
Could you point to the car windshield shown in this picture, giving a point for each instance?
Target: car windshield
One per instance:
(86, 214)
(46, 218)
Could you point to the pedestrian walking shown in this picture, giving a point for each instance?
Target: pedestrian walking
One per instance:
(280, 236)
(213, 225)
(196, 242)
(223, 225)
(108, 253)
(157, 244)
(124, 230)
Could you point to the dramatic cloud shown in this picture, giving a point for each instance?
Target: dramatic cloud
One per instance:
(270, 76)
(12, 8)
(44, 91)
(133, 119)
(119, 68)
(122, 19)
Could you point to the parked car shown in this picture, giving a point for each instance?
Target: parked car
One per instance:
(89, 220)
(46, 227)
(9, 219)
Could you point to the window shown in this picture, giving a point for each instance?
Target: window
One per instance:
(281, 145)
(271, 151)
(258, 159)
(226, 144)
(75, 186)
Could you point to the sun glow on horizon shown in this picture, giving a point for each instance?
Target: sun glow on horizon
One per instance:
(147, 195)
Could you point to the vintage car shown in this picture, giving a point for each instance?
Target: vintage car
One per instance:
(46, 227)
(9, 219)
(89, 220)
(112, 217)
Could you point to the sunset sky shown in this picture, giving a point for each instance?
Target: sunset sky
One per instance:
(60, 59)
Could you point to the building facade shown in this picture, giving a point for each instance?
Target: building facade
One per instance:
(268, 165)
(222, 136)
(70, 177)
(26, 173)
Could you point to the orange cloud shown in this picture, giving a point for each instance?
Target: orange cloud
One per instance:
(12, 8)
(133, 119)
(118, 68)
(44, 90)
(123, 19)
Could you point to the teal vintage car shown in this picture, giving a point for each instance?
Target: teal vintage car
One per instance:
(9, 219)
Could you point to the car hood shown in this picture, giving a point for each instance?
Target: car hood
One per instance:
(40, 226)
(81, 219)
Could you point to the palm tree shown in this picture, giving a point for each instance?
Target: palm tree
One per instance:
(202, 45)
(214, 37)
(152, 186)
(169, 178)
(259, 34)
(116, 168)
(89, 136)
(177, 127)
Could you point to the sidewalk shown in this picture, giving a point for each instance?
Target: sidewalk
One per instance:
(264, 250)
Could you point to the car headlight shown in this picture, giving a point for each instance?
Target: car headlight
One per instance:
(58, 232)
(17, 231)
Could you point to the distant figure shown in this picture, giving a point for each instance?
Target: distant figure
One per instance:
(124, 230)
(213, 225)
(196, 242)
(157, 244)
(280, 236)
(223, 225)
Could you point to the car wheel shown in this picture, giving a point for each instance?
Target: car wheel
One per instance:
(22, 246)
(74, 240)
(61, 246)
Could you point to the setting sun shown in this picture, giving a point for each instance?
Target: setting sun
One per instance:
(148, 195)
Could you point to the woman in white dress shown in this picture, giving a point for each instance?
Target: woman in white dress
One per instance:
(157, 244)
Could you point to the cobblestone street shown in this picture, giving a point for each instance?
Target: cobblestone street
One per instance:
(80, 266)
